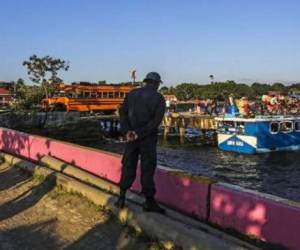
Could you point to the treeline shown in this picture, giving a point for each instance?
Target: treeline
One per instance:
(189, 91)
(28, 96)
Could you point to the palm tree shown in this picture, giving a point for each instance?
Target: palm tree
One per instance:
(211, 78)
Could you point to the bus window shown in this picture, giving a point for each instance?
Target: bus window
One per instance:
(62, 93)
(297, 126)
(274, 127)
(286, 127)
(110, 95)
(99, 94)
(104, 94)
(71, 94)
(93, 95)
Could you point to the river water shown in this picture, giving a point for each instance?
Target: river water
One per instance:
(276, 173)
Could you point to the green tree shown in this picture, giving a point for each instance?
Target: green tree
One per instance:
(244, 90)
(260, 88)
(27, 97)
(172, 90)
(186, 91)
(18, 85)
(164, 90)
(44, 71)
(20, 81)
(279, 87)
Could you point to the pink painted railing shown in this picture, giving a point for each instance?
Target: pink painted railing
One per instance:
(177, 192)
(266, 217)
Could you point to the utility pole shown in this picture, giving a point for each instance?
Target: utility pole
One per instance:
(15, 89)
(133, 76)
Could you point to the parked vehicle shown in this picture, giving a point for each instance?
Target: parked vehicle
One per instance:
(85, 97)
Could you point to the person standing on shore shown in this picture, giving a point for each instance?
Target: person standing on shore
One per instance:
(140, 116)
(198, 105)
(168, 105)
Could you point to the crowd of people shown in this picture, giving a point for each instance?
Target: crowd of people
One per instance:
(268, 104)
(207, 106)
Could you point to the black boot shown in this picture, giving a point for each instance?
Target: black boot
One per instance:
(120, 203)
(151, 206)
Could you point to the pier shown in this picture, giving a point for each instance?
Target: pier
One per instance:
(177, 121)
(181, 121)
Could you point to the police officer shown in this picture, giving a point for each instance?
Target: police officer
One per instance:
(140, 116)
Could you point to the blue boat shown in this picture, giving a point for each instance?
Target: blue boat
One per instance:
(261, 134)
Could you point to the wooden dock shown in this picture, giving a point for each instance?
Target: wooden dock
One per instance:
(184, 120)
(179, 121)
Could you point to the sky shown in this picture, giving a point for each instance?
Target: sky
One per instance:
(185, 41)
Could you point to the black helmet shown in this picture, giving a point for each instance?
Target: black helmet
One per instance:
(153, 76)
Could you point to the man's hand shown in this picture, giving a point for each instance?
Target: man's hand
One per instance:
(131, 136)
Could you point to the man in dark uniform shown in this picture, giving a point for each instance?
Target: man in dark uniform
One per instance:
(140, 116)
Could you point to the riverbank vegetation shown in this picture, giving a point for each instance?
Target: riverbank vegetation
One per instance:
(189, 91)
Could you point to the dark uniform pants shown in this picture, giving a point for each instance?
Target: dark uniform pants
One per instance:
(146, 149)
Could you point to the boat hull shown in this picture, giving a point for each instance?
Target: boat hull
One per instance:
(252, 136)
(237, 143)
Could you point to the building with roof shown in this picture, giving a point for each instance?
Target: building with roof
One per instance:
(5, 97)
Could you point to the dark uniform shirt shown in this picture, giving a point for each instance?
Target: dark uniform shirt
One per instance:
(142, 111)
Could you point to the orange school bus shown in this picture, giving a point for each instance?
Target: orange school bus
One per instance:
(84, 97)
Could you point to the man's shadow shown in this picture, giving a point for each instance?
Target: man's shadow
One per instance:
(27, 199)
(9, 178)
